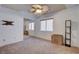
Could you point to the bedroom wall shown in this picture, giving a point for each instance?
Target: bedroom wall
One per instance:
(38, 33)
(72, 14)
(11, 33)
(59, 25)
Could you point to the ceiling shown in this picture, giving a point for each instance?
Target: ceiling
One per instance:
(27, 7)
(52, 8)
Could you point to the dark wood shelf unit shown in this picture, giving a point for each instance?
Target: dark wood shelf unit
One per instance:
(68, 33)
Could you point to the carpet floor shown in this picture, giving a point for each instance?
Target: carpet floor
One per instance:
(31, 45)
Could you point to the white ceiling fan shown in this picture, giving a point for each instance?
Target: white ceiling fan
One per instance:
(39, 9)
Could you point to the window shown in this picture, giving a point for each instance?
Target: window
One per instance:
(47, 25)
(43, 27)
(31, 26)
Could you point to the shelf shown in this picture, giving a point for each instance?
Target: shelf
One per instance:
(68, 39)
(68, 45)
(68, 33)
(68, 26)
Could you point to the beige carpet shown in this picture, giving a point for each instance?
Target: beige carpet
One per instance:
(32, 45)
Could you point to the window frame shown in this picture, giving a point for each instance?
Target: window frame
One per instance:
(46, 25)
(31, 26)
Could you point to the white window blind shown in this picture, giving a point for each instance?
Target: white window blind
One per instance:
(31, 26)
(43, 27)
(47, 25)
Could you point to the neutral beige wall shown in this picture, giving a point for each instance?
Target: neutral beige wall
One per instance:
(12, 33)
(59, 25)
(38, 33)
(69, 14)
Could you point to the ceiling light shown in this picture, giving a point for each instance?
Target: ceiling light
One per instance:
(39, 9)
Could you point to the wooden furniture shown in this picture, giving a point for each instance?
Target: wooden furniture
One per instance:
(57, 39)
(68, 33)
(26, 33)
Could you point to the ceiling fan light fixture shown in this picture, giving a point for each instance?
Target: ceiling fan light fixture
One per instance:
(37, 6)
(39, 9)
(45, 8)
